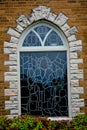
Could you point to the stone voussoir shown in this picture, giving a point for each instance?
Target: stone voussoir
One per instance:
(52, 17)
(65, 27)
(41, 12)
(19, 28)
(61, 19)
(13, 32)
(71, 38)
(14, 40)
(23, 21)
(72, 31)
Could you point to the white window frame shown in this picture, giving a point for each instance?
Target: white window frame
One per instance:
(65, 47)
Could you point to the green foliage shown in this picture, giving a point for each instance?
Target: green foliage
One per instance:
(26, 122)
(80, 122)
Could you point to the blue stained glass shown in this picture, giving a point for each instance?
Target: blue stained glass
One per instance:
(31, 40)
(53, 40)
(42, 30)
(44, 84)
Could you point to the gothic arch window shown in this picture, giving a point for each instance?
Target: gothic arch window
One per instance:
(43, 63)
(43, 71)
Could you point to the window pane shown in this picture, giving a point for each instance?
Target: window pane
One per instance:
(31, 40)
(44, 83)
(42, 30)
(53, 40)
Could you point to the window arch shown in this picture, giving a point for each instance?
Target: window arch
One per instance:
(43, 71)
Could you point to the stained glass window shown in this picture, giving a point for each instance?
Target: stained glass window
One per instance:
(43, 75)
(38, 35)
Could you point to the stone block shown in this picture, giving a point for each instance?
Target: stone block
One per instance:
(14, 40)
(51, 17)
(10, 45)
(72, 38)
(9, 63)
(74, 83)
(75, 43)
(8, 78)
(10, 50)
(13, 84)
(65, 27)
(73, 55)
(13, 57)
(23, 21)
(61, 19)
(19, 28)
(10, 73)
(76, 76)
(72, 31)
(10, 106)
(73, 66)
(13, 68)
(77, 90)
(31, 17)
(11, 92)
(14, 98)
(76, 49)
(41, 12)
(76, 110)
(13, 33)
(13, 112)
(77, 102)
(78, 71)
(76, 61)
(75, 96)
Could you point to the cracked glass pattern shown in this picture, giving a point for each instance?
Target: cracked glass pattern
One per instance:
(44, 83)
(42, 34)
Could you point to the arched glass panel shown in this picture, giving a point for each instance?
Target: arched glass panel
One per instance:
(31, 40)
(53, 40)
(42, 31)
(43, 35)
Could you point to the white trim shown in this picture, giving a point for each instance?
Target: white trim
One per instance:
(19, 89)
(45, 48)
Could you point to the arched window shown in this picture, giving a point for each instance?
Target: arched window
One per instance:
(43, 71)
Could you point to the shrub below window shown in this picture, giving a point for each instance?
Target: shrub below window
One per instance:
(26, 122)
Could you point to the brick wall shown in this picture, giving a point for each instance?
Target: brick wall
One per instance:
(10, 10)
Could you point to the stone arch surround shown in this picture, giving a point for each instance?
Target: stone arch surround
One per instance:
(11, 48)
